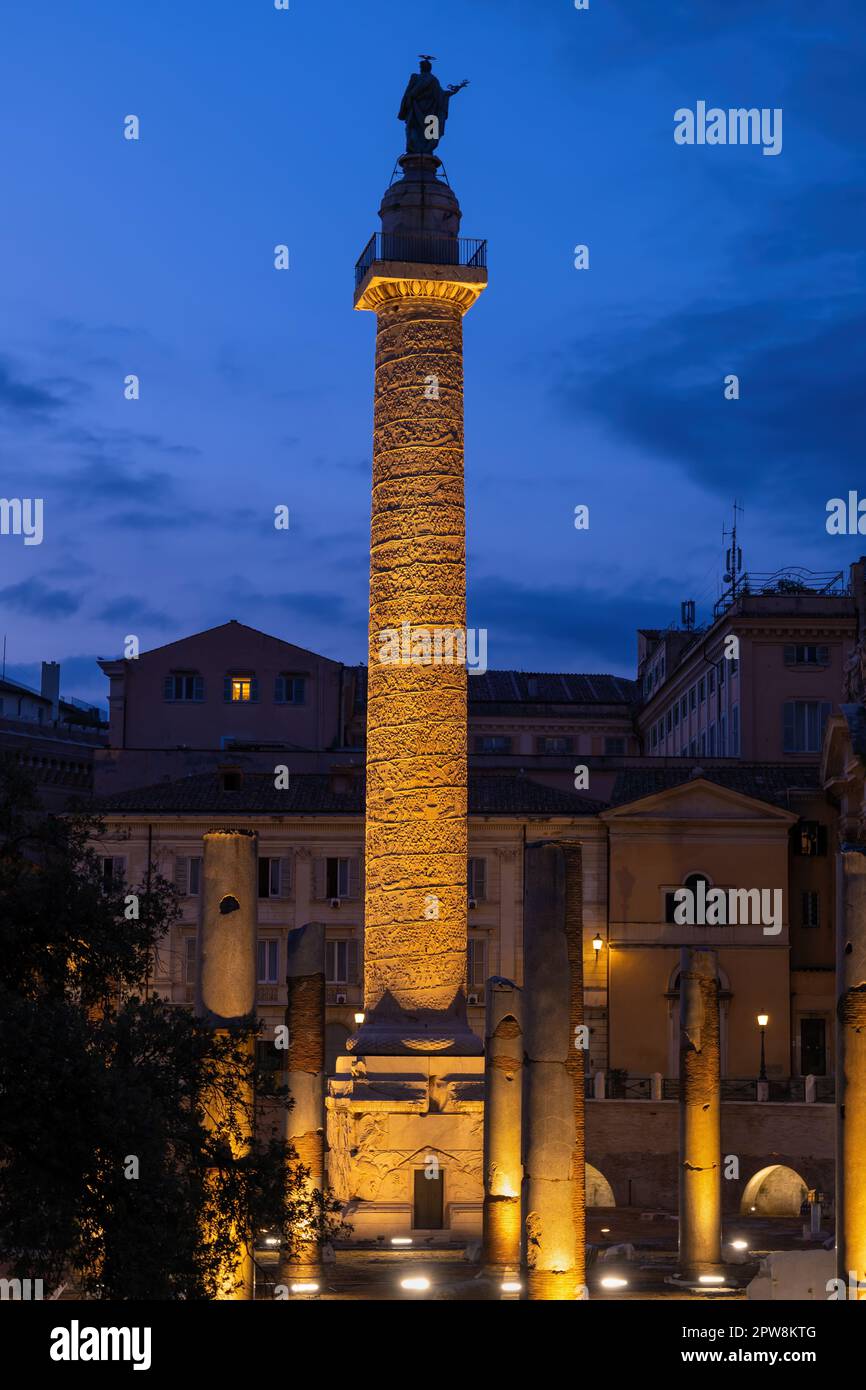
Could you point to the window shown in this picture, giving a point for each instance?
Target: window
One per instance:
(240, 689)
(668, 721)
(290, 690)
(809, 838)
(336, 878)
(703, 744)
(341, 961)
(721, 671)
(723, 735)
(655, 736)
(693, 747)
(684, 707)
(811, 910)
(712, 741)
(693, 698)
(113, 870)
(804, 722)
(183, 685)
(269, 952)
(690, 882)
(555, 743)
(676, 715)
(800, 654)
(735, 731)
(189, 959)
(493, 743)
(614, 747)
(270, 878)
(711, 682)
(187, 875)
(268, 1057)
(476, 963)
(702, 690)
(477, 879)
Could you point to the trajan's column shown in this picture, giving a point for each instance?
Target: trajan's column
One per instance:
(407, 1098)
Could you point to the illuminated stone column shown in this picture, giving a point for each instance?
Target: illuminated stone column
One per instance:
(700, 1116)
(577, 1052)
(851, 1070)
(226, 983)
(503, 1098)
(416, 836)
(305, 1018)
(551, 1153)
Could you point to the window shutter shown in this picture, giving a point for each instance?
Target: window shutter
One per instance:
(189, 963)
(227, 689)
(254, 688)
(260, 953)
(826, 711)
(280, 690)
(275, 883)
(470, 959)
(285, 879)
(352, 957)
(118, 870)
(789, 742)
(320, 877)
(198, 687)
(790, 654)
(823, 655)
(181, 875)
(354, 878)
(822, 839)
(480, 879)
(168, 688)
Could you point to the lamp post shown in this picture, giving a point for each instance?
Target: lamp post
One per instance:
(763, 1020)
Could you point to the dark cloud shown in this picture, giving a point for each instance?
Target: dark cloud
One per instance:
(801, 416)
(26, 402)
(542, 623)
(126, 610)
(35, 598)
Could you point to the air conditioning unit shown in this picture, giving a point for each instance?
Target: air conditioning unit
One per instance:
(335, 902)
(473, 903)
(341, 998)
(473, 999)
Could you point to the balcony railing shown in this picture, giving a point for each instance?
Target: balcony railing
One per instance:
(421, 250)
(617, 1086)
(781, 583)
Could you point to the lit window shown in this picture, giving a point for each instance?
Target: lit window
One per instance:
(241, 688)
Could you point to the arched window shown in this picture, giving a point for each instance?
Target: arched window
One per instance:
(691, 882)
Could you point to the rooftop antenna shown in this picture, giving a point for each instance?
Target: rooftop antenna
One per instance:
(733, 554)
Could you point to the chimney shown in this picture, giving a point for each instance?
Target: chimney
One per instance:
(50, 687)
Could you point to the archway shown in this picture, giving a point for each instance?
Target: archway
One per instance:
(599, 1192)
(774, 1191)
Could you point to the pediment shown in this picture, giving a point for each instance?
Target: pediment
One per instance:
(699, 799)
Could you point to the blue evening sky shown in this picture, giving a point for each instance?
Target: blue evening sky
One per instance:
(602, 387)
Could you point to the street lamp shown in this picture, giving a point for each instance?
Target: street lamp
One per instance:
(763, 1020)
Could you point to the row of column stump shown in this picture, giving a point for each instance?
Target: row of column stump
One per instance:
(534, 1146)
